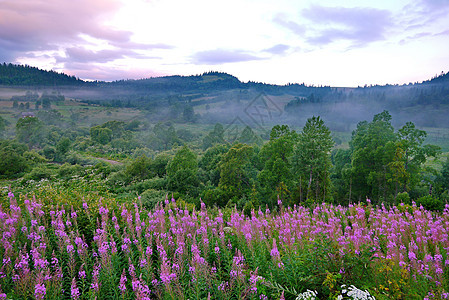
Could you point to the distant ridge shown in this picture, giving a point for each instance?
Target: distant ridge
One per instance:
(23, 75)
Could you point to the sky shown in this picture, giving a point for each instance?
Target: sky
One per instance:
(335, 43)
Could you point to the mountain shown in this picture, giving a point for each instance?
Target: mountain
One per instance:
(426, 103)
(18, 75)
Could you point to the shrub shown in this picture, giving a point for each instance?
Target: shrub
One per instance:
(430, 203)
(151, 197)
(403, 198)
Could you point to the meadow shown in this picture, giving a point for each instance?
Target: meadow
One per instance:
(90, 247)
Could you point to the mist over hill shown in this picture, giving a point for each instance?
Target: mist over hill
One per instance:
(221, 97)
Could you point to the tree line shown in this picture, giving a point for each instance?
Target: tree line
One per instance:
(381, 163)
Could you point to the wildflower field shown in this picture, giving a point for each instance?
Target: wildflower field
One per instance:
(104, 250)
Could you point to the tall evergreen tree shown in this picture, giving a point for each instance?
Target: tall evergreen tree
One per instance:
(311, 160)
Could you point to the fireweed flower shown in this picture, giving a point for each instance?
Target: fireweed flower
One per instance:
(74, 291)
(39, 291)
(274, 250)
(216, 249)
(122, 284)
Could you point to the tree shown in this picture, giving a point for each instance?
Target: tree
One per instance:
(277, 169)
(341, 174)
(166, 135)
(182, 172)
(415, 154)
(159, 164)
(214, 137)
(2, 126)
(209, 162)
(29, 130)
(117, 128)
(311, 159)
(237, 172)
(46, 103)
(13, 162)
(188, 114)
(140, 168)
(62, 147)
(372, 147)
(249, 137)
(101, 135)
(442, 181)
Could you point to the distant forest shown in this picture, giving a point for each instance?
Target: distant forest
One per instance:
(425, 103)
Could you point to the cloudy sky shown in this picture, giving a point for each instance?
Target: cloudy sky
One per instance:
(337, 43)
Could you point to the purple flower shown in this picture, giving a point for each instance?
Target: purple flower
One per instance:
(39, 291)
(411, 255)
(70, 248)
(74, 290)
(274, 251)
(122, 284)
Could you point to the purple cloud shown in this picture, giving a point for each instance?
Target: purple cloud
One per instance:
(358, 25)
(221, 56)
(38, 25)
(104, 72)
(278, 49)
(292, 26)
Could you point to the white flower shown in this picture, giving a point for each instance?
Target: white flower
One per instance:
(355, 293)
(307, 295)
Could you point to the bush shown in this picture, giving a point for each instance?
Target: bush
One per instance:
(403, 198)
(67, 171)
(38, 173)
(430, 203)
(151, 197)
(155, 183)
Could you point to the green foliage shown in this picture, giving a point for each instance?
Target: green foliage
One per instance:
(188, 114)
(151, 197)
(29, 130)
(277, 155)
(403, 198)
(385, 163)
(214, 137)
(13, 162)
(430, 203)
(140, 168)
(49, 152)
(210, 160)
(101, 135)
(39, 172)
(411, 141)
(370, 156)
(237, 171)
(182, 171)
(312, 164)
(442, 180)
(165, 136)
(2, 126)
(20, 75)
(67, 171)
(62, 147)
(249, 137)
(341, 174)
(159, 164)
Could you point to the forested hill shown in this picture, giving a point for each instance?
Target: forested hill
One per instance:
(18, 75)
